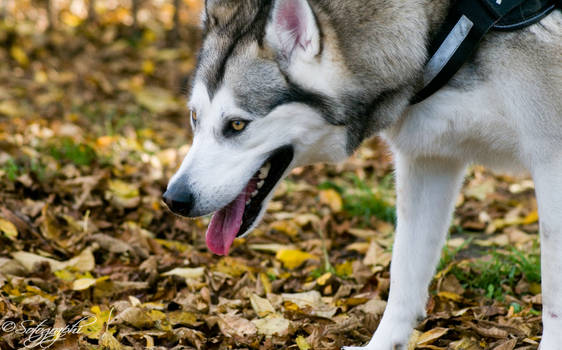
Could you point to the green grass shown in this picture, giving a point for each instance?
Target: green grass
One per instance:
(15, 168)
(12, 169)
(63, 151)
(500, 274)
(448, 255)
(69, 151)
(363, 200)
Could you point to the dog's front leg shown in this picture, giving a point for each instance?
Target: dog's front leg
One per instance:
(426, 190)
(548, 185)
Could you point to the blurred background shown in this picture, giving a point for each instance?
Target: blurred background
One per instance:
(92, 125)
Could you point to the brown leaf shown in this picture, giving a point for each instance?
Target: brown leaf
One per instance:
(491, 332)
(233, 326)
(507, 345)
(432, 335)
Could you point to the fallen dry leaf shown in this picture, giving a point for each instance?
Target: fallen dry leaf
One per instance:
(272, 325)
(292, 258)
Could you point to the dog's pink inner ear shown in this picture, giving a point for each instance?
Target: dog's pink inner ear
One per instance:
(295, 27)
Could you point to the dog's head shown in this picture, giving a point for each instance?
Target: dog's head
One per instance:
(272, 91)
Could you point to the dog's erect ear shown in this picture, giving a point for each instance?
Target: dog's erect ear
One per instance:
(293, 29)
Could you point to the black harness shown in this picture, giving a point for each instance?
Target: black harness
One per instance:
(466, 24)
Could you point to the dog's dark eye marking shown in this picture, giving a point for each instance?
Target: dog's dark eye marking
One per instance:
(234, 127)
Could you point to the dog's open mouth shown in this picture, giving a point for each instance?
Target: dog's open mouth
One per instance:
(238, 217)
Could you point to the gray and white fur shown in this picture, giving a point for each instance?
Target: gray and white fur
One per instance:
(325, 75)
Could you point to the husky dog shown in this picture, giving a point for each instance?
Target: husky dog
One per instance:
(286, 83)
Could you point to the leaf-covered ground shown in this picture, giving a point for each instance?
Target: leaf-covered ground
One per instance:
(93, 124)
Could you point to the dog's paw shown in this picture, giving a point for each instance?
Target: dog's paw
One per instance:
(389, 336)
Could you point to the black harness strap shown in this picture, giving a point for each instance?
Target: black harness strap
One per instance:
(530, 12)
(466, 24)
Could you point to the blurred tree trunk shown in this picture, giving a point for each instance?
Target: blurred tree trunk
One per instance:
(50, 14)
(3, 9)
(134, 12)
(176, 30)
(91, 11)
(174, 35)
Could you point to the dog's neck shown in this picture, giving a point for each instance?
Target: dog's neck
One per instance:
(436, 11)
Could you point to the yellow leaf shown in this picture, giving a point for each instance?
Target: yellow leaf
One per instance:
(302, 343)
(345, 269)
(352, 301)
(108, 341)
(322, 280)
(10, 108)
(531, 218)
(285, 226)
(19, 55)
(148, 36)
(148, 67)
(41, 77)
(266, 283)
(31, 290)
(292, 258)
(124, 194)
(183, 318)
(83, 283)
(156, 315)
(332, 199)
(450, 296)
(232, 266)
(175, 245)
(93, 326)
(123, 189)
(70, 19)
(105, 141)
(535, 288)
(8, 229)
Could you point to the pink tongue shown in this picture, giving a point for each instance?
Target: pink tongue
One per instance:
(225, 224)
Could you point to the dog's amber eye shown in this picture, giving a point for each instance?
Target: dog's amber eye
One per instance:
(193, 115)
(238, 125)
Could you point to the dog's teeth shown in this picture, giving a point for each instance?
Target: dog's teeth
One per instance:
(255, 193)
(264, 171)
(261, 183)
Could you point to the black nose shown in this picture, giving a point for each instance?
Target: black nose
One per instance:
(179, 203)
